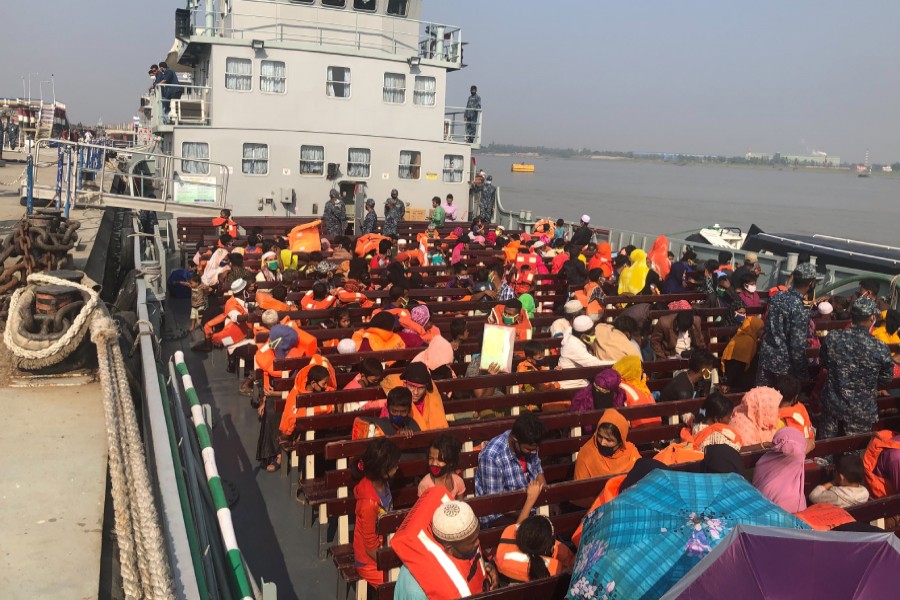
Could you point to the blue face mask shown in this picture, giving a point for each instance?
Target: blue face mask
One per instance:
(399, 422)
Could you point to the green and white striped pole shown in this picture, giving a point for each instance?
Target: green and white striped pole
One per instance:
(223, 513)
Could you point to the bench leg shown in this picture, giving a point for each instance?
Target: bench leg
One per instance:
(323, 531)
(362, 589)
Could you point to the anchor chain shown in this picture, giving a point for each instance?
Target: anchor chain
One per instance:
(41, 242)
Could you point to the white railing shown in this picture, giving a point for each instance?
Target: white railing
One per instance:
(430, 41)
(191, 108)
(463, 125)
(82, 174)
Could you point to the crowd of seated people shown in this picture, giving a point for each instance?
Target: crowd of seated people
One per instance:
(603, 311)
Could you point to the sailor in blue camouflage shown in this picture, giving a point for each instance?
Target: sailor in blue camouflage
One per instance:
(370, 222)
(394, 211)
(857, 364)
(786, 336)
(335, 215)
(487, 201)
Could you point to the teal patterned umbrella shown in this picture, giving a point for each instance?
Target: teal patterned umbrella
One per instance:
(640, 544)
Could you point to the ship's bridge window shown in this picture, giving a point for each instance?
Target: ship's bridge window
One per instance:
(272, 77)
(312, 160)
(397, 8)
(338, 83)
(199, 151)
(359, 162)
(453, 168)
(364, 5)
(334, 3)
(238, 74)
(423, 95)
(394, 88)
(410, 164)
(255, 160)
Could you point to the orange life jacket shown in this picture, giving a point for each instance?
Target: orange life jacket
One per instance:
(513, 563)
(593, 307)
(226, 226)
(551, 230)
(265, 361)
(797, 417)
(310, 303)
(633, 397)
(369, 243)
(305, 237)
(707, 431)
(677, 453)
(379, 339)
(265, 301)
(610, 491)
(441, 576)
(881, 441)
(291, 411)
(232, 332)
(523, 327)
(824, 516)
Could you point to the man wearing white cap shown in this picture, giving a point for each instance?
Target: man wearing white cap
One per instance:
(582, 235)
(576, 350)
(571, 310)
(443, 561)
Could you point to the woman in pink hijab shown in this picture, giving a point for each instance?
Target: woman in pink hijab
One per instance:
(756, 418)
(779, 474)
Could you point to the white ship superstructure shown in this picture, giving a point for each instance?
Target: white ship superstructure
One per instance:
(300, 97)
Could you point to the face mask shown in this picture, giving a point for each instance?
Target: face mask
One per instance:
(437, 471)
(399, 422)
(508, 320)
(403, 302)
(588, 339)
(721, 291)
(606, 451)
(750, 288)
(273, 266)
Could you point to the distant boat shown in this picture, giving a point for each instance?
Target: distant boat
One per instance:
(864, 170)
(522, 168)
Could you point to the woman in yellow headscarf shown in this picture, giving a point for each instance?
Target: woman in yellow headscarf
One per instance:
(740, 352)
(634, 384)
(634, 276)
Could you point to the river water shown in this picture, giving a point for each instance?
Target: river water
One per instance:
(654, 197)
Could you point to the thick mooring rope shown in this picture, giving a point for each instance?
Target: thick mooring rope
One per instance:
(145, 566)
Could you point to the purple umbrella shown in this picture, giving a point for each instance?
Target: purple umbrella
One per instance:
(767, 562)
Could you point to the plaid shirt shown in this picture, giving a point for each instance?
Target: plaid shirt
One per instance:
(506, 292)
(499, 470)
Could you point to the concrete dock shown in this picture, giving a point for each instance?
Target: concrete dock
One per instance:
(54, 449)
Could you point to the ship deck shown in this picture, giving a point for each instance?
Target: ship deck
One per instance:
(276, 543)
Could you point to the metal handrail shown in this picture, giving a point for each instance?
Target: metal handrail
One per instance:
(430, 42)
(156, 188)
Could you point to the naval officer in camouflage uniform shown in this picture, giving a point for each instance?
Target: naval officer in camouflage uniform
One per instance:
(786, 337)
(335, 215)
(857, 364)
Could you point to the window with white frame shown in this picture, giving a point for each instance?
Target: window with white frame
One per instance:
(255, 159)
(424, 92)
(394, 88)
(238, 74)
(196, 150)
(453, 168)
(272, 77)
(410, 164)
(337, 83)
(359, 162)
(312, 160)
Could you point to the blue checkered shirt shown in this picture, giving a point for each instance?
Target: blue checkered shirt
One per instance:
(506, 292)
(499, 470)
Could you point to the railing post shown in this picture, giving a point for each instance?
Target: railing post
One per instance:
(29, 193)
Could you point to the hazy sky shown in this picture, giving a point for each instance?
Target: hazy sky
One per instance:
(688, 76)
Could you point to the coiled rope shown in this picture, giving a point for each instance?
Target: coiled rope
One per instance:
(145, 568)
